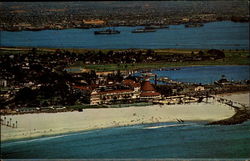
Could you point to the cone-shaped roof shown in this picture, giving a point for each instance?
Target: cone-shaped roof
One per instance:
(147, 86)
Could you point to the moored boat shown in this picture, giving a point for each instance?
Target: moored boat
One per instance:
(156, 27)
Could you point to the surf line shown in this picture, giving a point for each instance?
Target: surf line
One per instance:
(174, 125)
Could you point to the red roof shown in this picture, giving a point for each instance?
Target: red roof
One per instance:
(115, 91)
(143, 94)
(147, 86)
(129, 82)
(82, 87)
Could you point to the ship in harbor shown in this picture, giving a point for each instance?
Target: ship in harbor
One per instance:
(107, 32)
(143, 30)
(156, 27)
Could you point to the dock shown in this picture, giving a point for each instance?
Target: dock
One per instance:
(168, 80)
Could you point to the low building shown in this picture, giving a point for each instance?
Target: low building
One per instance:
(199, 88)
(113, 96)
(3, 83)
(127, 91)
(93, 22)
(131, 84)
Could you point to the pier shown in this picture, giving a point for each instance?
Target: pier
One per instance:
(168, 80)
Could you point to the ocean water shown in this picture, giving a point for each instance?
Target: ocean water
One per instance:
(206, 74)
(219, 35)
(161, 140)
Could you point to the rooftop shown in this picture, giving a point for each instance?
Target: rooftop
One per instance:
(147, 86)
(131, 83)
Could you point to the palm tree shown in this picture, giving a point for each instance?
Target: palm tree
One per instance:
(10, 121)
(4, 120)
(7, 123)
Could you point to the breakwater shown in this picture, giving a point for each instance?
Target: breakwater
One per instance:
(242, 113)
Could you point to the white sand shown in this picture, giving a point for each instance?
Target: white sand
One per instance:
(32, 125)
(243, 97)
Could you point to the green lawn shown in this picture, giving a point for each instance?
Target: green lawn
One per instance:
(233, 57)
(227, 61)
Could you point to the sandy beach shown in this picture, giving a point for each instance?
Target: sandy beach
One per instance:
(241, 97)
(42, 124)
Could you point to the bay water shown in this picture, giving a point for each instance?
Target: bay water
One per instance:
(218, 35)
(206, 74)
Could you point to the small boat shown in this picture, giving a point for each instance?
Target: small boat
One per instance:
(222, 81)
(107, 32)
(143, 30)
